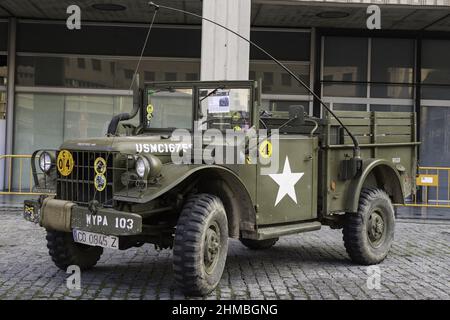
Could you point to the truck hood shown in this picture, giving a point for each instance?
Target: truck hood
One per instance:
(154, 144)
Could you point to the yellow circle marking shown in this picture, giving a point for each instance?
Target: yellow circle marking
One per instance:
(100, 165)
(64, 162)
(150, 109)
(100, 182)
(265, 149)
(149, 116)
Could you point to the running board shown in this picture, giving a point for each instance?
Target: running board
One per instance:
(277, 231)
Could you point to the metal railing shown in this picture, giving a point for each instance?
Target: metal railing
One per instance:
(434, 188)
(18, 188)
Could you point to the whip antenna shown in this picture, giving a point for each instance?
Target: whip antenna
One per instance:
(356, 148)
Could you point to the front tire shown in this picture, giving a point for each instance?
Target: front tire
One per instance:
(65, 252)
(259, 244)
(369, 233)
(200, 245)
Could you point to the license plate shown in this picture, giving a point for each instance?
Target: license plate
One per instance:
(96, 239)
(106, 221)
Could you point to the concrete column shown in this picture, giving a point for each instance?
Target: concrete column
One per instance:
(224, 55)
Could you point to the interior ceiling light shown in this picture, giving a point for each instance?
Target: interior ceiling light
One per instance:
(333, 14)
(108, 7)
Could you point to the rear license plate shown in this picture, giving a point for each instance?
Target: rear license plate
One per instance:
(95, 239)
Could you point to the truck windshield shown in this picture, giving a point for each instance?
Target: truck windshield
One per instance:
(169, 108)
(225, 109)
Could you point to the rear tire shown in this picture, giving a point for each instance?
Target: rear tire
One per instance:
(65, 252)
(200, 245)
(369, 233)
(259, 244)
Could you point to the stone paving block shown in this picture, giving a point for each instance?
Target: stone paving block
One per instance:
(306, 266)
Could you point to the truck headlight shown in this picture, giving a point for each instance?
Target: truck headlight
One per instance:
(142, 167)
(45, 162)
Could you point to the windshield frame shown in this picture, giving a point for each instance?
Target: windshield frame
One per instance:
(196, 86)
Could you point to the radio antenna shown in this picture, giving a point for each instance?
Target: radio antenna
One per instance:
(356, 148)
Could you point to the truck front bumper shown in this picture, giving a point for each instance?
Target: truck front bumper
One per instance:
(60, 215)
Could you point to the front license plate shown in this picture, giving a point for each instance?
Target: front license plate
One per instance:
(106, 221)
(96, 239)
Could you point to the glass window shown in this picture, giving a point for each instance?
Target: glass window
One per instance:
(275, 80)
(171, 76)
(286, 80)
(3, 36)
(349, 107)
(71, 117)
(81, 63)
(76, 72)
(392, 60)
(149, 76)
(344, 90)
(345, 59)
(33, 114)
(293, 48)
(170, 108)
(2, 105)
(283, 45)
(3, 69)
(283, 105)
(391, 91)
(108, 40)
(435, 136)
(89, 116)
(435, 69)
(226, 109)
(436, 92)
(192, 76)
(390, 108)
(96, 65)
(435, 62)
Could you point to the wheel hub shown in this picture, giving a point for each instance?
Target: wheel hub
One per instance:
(212, 247)
(375, 228)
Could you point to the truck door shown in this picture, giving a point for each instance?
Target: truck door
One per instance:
(289, 193)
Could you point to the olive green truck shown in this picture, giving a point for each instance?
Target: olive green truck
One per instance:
(126, 189)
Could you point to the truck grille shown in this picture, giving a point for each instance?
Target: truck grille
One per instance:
(79, 186)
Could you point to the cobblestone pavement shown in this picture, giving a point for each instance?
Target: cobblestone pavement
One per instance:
(306, 266)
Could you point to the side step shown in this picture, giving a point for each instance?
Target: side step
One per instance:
(277, 231)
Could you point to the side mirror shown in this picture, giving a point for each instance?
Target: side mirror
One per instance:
(297, 115)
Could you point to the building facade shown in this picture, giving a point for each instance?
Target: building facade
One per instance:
(57, 83)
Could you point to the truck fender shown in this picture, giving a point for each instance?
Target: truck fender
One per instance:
(384, 176)
(216, 180)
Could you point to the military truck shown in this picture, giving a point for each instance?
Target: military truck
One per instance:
(125, 190)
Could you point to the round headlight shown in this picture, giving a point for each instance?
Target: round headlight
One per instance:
(45, 162)
(142, 167)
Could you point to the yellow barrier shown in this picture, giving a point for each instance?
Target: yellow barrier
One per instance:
(432, 179)
(19, 190)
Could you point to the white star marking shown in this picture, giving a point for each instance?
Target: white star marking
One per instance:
(286, 181)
